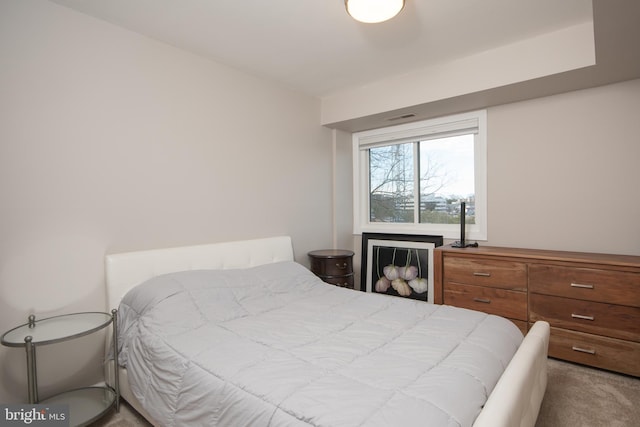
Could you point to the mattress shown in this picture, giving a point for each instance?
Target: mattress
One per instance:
(275, 346)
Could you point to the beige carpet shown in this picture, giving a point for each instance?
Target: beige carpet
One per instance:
(127, 417)
(577, 396)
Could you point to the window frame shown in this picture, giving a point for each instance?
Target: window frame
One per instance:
(411, 132)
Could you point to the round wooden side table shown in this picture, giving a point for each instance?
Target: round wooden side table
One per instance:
(334, 266)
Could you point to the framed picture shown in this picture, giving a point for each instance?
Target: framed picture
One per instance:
(399, 264)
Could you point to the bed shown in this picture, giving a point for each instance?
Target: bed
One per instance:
(237, 333)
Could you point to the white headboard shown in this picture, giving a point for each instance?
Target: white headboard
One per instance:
(126, 270)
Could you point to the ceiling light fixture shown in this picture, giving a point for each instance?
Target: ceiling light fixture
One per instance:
(373, 11)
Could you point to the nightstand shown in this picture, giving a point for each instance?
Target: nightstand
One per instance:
(86, 404)
(334, 266)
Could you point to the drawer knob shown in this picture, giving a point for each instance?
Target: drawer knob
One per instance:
(342, 266)
(482, 300)
(583, 350)
(579, 285)
(481, 274)
(581, 316)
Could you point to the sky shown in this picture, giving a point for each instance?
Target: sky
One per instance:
(455, 156)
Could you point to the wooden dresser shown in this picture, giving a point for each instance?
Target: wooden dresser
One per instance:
(592, 301)
(334, 266)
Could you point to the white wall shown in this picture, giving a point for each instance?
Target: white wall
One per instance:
(547, 54)
(563, 172)
(109, 142)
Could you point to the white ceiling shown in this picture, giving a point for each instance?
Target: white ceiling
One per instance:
(313, 45)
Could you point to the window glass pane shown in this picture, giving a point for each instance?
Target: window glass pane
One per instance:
(391, 185)
(412, 177)
(446, 179)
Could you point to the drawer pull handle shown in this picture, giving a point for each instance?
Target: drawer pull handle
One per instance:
(483, 300)
(477, 273)
(579, 285)
(342, 266)
(583, 350)
(583, 317)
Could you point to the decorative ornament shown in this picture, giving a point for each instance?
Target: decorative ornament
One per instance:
(401, 287)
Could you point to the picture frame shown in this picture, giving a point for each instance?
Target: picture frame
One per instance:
(411, 254)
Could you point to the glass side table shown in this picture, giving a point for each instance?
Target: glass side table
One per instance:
(86, 404)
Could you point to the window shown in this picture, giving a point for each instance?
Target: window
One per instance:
(412, 178)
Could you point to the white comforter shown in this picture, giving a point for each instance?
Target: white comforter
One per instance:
(275, 346)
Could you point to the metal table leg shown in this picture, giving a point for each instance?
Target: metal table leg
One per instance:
(116, 374)
(32, 379)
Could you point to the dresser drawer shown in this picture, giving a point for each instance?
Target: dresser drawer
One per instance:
(506, 303)
(602, 352)
(332, 266)
(592, 301)
(616, 321)
(342, 281)
(485, 272)
(616, 287)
